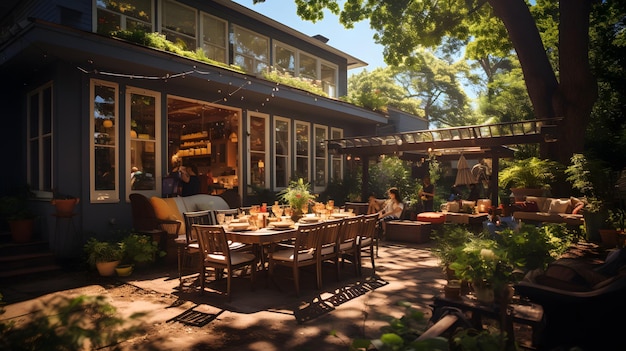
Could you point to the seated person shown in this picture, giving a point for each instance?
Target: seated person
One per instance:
(374, 204)
(496, 223)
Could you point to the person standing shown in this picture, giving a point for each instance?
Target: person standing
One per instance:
(427, 194)
(190, 183)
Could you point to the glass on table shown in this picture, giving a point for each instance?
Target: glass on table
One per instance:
(228, 219)
(221, 217)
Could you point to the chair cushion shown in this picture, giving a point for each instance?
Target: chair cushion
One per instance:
(558, 206)
(161, 209)
(432, 217)
(287, 255)
(235, 257)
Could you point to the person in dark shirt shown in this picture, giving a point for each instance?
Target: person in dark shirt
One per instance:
(427, 194)
(474, 193)
(189, 180)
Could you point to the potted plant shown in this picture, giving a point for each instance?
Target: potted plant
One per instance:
(64, 204)
(139, 249)
(483, 263)
(298, 196)
(104, 255)
(16, 211)
(528, 177)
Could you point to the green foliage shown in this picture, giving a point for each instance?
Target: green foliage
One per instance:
(138, 248)
(14, 208)
(449, 241)
(532, 172)
(533, 247)
(390, 172)
(159, 41)
(483, 340)
(70, 324)
(591, 178)
(102, 251)
(297, 194)
(483, 260)
(312, 86)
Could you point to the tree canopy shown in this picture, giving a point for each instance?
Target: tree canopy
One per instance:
(563, 89)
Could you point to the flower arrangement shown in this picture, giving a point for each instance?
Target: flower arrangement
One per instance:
(297, 194)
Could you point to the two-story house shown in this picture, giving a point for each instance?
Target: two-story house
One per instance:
(84, 109)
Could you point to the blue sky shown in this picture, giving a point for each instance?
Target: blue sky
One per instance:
(357, 42)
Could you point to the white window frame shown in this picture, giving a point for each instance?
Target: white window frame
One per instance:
(336, 133)
(293, 71)
(203, 42)
(113, 195)
(323, 159)
(236, 30)
(123, 17)
(266, 149)
(306, 157)
(330, 89)
(40, 186)
(286, 156)
(156, 142)
(166, 31)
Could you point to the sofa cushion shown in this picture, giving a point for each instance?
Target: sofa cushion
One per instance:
(559, 206)
(578, 208)
(575, 203)
(162, 210)
(540, 201)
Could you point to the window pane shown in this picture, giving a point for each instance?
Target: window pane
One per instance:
(257, 169)
(33, 118)
(257, 134)
(302, 140)
(285, 60)
(179, 19)
(329, 83)
(214, 38)
(35, 173)
(281, 172)
(46, 118)
(105, 162)
(104, 116)
(251, 51)
(282, 137)
(308, 67)
(320, 156)
(140, 9)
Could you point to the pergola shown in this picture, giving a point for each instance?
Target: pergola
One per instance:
(479, 141)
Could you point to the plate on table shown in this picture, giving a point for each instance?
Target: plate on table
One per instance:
(309, 219)
(281, 224)
(341, 215)
(237, 227)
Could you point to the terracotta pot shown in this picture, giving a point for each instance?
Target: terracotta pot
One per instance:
(107, 269)
(65, 207)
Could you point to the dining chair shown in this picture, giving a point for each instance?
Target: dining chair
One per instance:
(327, 248)
(191, 247)
(300, 254)
(347, 241)
(368, 239)
(216, 254)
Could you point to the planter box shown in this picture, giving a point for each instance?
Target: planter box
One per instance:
(408, 231)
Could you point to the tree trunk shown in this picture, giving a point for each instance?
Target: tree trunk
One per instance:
(574, 97)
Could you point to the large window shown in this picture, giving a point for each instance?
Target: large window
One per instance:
(143, 121)
(251, 51)
(321, 164)
(282, 152)
(104, 146)
(115, 15)
(308, 67)
(40, 138)
(336, 163)
(179, 24)
(259, 131)
(302, 147)
(214, 38)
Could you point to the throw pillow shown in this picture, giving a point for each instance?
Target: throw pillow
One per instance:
(161, 209)
(558, 206)
(578, 208)
(531, 206)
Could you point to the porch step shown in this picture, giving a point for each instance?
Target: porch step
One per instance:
(25, 259)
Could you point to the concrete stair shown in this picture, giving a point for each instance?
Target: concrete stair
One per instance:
(25, 259)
